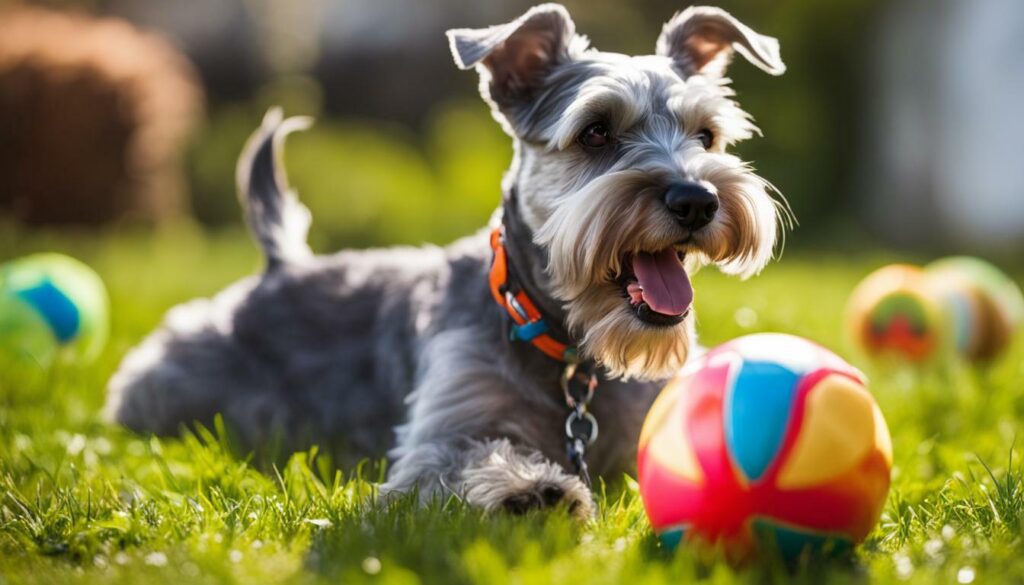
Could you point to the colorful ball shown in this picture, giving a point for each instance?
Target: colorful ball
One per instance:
(892, 313)
(766, 439)
(986, 306)
(52, 305)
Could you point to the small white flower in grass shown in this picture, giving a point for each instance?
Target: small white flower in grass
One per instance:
(218, 538)
(371, 565)
(965, 575)
(948, 533)
(156, 559)
(100, 562)
(319, 522)
(190, 569)
(22, 442)
(102, 446)
(933, 547)
(904, 566)
(235, 556)
(76, 445)
(257, 544)
(745, 317)
(122, 558)
(620, 544)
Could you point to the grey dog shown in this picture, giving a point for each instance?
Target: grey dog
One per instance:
(620, 187)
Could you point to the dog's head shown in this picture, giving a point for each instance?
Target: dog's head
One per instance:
(622, 171)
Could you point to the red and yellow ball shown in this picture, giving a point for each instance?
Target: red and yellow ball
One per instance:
(767, 438)
(957, 306)
(892, 312)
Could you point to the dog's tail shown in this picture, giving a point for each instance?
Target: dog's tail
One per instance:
(276, 218)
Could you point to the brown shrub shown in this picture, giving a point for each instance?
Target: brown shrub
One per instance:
(94, 116)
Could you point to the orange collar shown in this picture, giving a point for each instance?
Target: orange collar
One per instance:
(528, 322)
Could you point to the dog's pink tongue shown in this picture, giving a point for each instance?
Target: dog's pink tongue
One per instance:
(666, 286)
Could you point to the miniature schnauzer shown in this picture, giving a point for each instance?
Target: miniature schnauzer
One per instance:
(472, 366)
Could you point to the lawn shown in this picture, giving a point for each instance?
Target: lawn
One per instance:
(85, 502)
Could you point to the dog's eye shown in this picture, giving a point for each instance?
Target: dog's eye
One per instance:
(595, 136)
(707, 138)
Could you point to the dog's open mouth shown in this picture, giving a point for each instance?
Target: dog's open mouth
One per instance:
(657, 287)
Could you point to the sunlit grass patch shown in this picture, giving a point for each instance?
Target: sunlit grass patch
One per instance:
(85, 502)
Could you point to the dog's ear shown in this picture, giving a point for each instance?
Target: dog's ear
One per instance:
(701, 39)
(514, 58)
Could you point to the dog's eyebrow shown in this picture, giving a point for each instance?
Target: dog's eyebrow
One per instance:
(536, 122)
(610, 100)
(711, 105)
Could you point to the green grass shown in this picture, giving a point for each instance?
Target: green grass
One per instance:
(85, 502)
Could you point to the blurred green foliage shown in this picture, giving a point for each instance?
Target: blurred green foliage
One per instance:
(368, 183)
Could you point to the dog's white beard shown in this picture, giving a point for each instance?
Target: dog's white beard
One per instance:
(588, 233)
(624, 345)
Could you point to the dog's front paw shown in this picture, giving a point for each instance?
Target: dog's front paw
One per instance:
(578, 502)
(506, 479)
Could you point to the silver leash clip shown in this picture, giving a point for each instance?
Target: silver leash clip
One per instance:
(581, 428)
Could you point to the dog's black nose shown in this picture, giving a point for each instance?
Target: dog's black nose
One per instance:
(693, 205)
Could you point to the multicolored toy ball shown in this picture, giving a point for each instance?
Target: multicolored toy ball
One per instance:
(955, 306)
(985, 307)
(52, 305)
(892, 312)
(767, 439)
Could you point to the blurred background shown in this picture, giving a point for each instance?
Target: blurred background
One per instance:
(897, 125)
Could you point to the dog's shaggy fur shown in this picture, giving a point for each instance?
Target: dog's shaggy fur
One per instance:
(404, 351)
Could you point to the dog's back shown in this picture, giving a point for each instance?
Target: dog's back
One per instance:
(316, 349)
